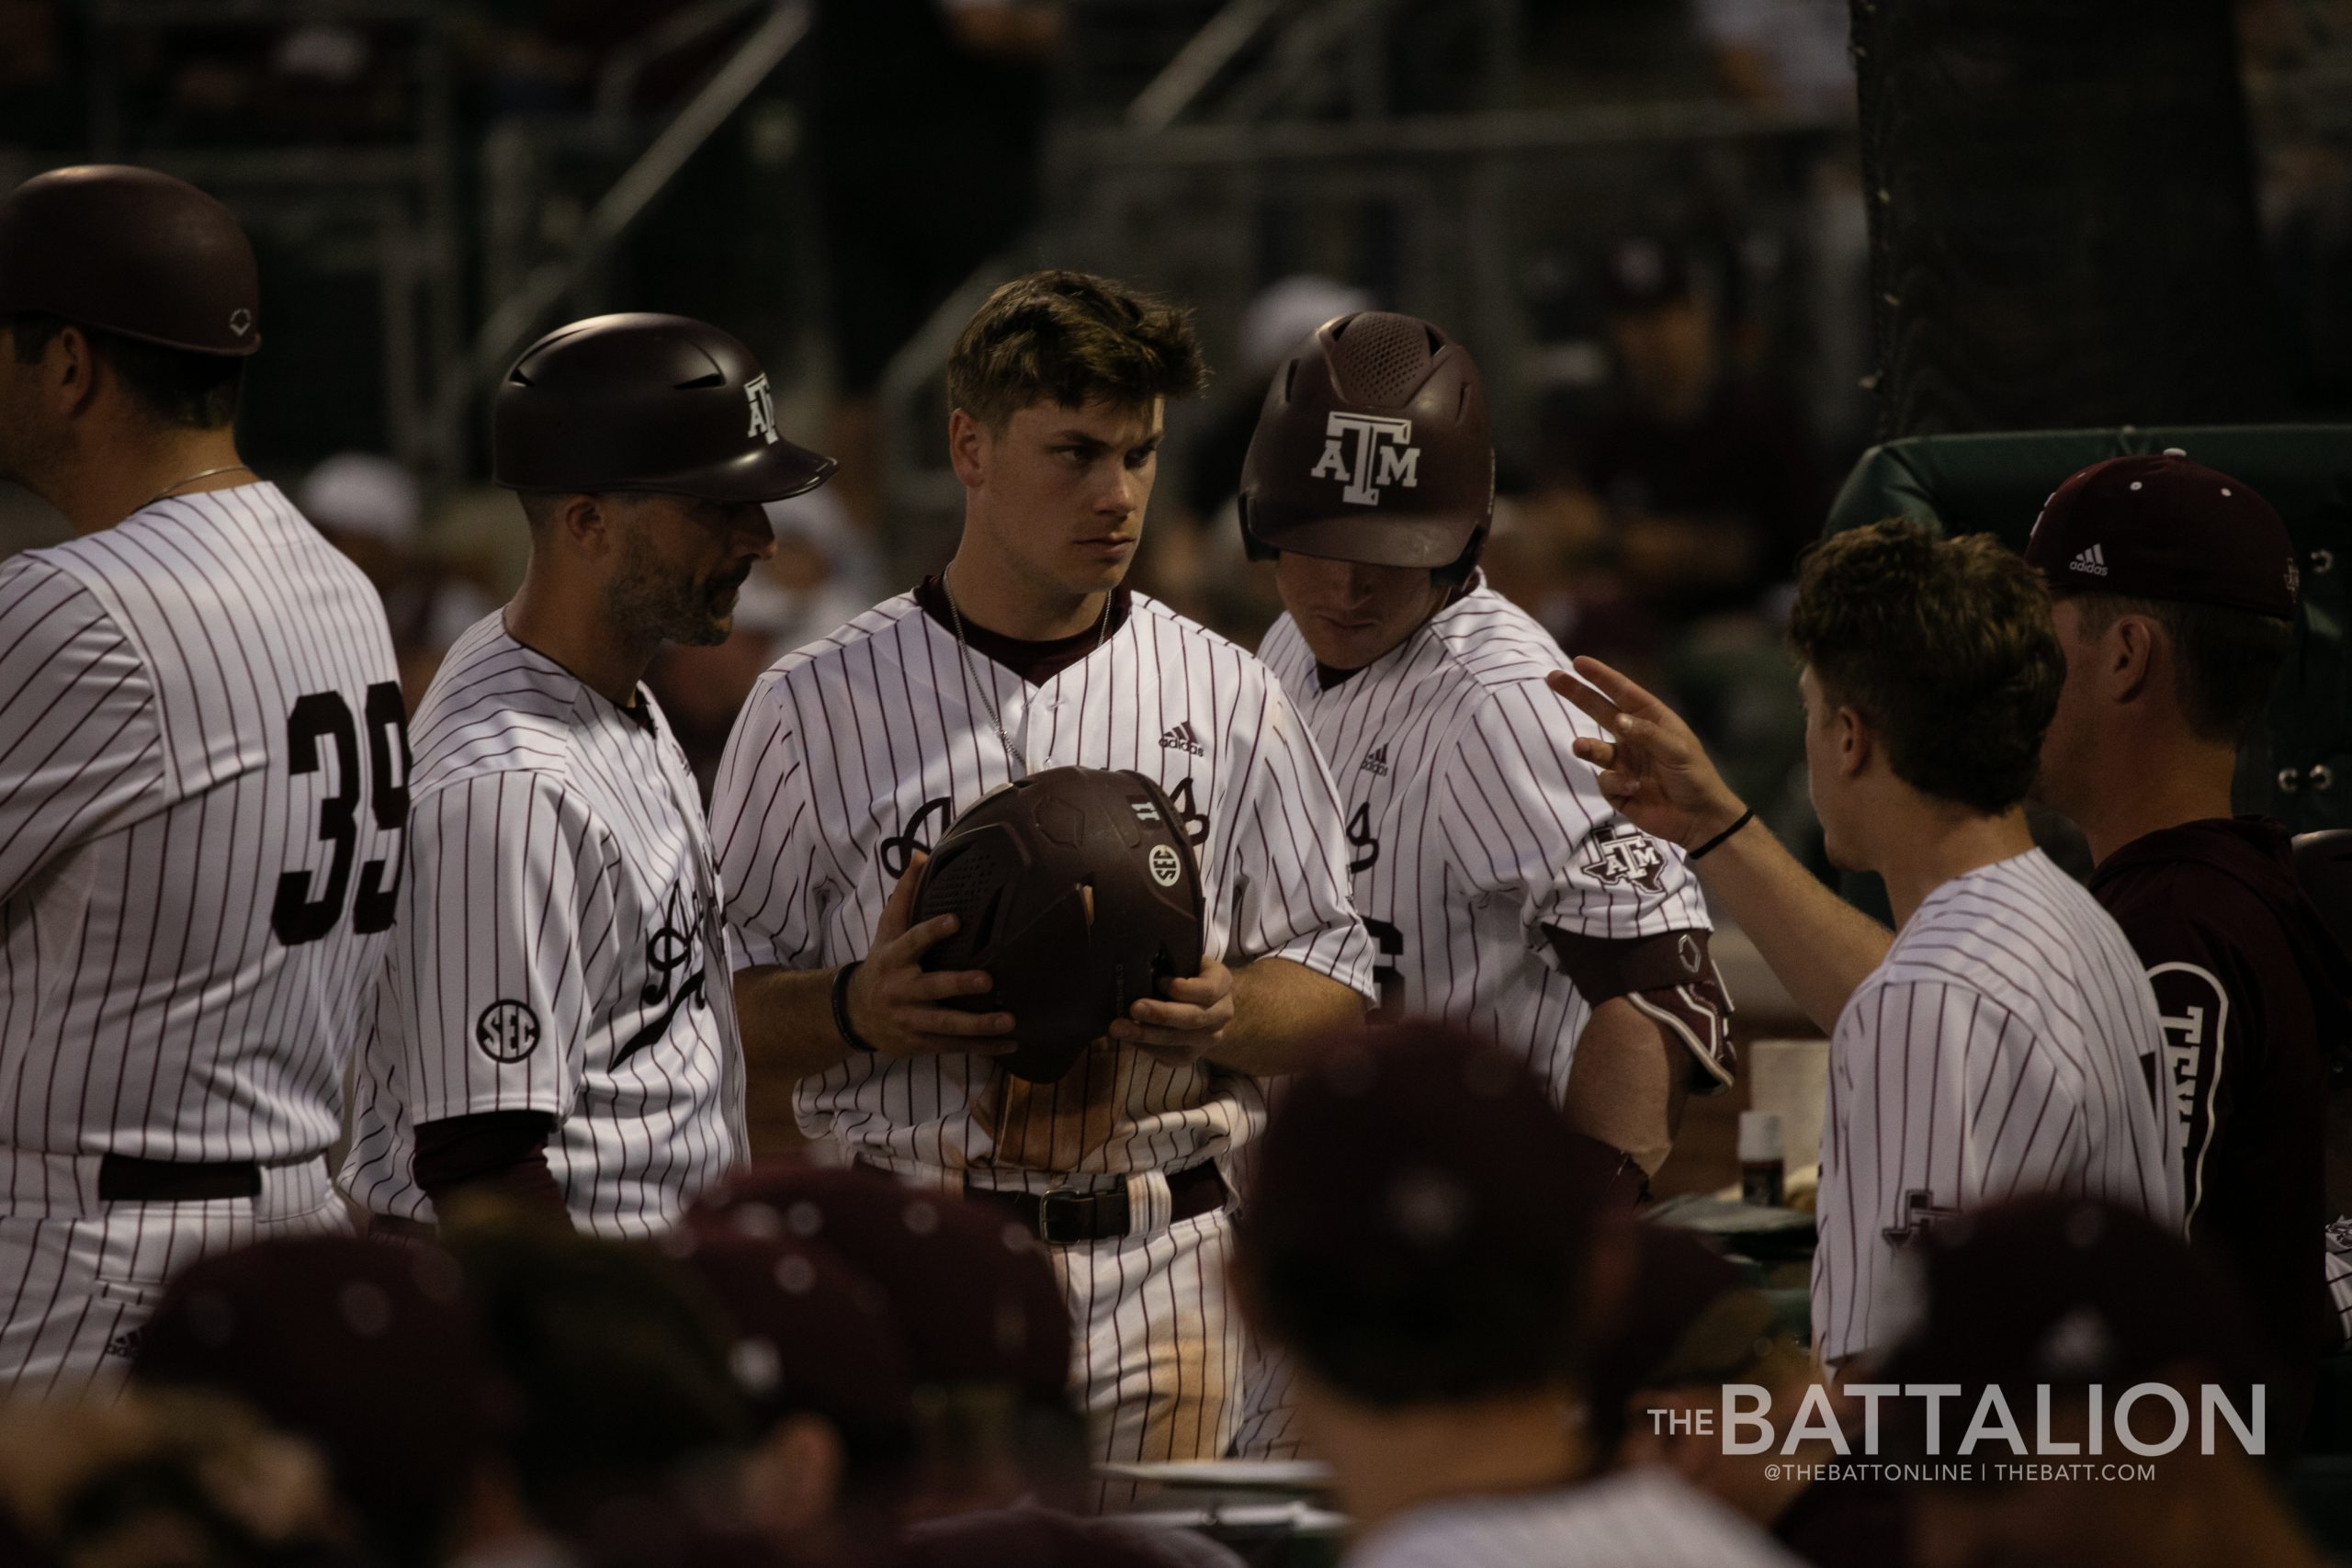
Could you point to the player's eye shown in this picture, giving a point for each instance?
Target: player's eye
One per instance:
(1142, 454)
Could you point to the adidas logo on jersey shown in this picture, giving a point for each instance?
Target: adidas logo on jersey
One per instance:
(1375, 761)
(1183, 738)
(2092, 562)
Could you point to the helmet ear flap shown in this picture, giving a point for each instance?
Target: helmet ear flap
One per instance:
(1278, 398)
(1252, 547)
(1457, 571)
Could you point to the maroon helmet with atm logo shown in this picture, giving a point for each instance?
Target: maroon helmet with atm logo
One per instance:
(1372, 446)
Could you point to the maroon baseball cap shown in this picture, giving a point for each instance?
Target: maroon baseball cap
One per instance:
(811, 1333)
(1419, 1227)
(368, 1349)
(2066, 1292)
(2162, 527)
(1416, 1145)
(973, 1291)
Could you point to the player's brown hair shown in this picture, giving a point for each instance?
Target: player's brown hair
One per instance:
(1076, 339)
(2226, 661)
(1945, 646)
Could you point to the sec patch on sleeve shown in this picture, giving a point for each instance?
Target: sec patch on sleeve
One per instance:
(507, 1032)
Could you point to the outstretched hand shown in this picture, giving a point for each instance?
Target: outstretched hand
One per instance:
(1652, 767)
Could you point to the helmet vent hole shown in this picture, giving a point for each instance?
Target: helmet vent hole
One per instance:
(958, 885)
(1382, 361)
(714, 380)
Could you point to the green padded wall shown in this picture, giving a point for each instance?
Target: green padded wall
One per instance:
(1997, 483)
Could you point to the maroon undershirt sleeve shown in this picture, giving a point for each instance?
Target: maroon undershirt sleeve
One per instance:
(500, 1153)
(1670, 979)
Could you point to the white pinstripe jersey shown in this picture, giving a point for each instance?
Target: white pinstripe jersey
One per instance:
(863, 747)
(1472, 827)
(202, 787)
(1635, 1519)
(558, 926)
(2008, 1044)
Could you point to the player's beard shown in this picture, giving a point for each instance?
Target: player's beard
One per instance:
(654, 602)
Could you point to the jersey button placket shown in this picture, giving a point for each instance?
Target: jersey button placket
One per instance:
(1015, 705)
(1047, 744)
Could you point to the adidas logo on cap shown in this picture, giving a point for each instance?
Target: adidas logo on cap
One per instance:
(1181, 737)
(2092, 562)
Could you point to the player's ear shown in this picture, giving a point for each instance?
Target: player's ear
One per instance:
(585, 522)
(2127, 656)
(70, 373)
(968, 443)
(1855, 742)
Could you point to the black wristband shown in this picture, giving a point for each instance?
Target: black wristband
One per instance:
(1745, 818)
(850, 1036)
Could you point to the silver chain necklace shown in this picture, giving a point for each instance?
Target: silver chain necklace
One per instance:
(165, 493)
(987, 697)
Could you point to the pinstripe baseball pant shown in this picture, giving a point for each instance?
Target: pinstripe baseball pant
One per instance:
(79, 1277)
(1156, 1352)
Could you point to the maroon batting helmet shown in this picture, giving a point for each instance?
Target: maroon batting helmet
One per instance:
(130, 251)
(1075, 889)
(640, 402)
(1372, 446)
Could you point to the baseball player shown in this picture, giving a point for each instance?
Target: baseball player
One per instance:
(1501, 888)
(1420, 1240)
(550, 1023)
(1026, 653)
(203, 784)
(2174, 600)
(2006, 1040)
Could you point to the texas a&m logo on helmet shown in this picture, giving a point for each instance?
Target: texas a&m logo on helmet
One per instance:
(1384, 454)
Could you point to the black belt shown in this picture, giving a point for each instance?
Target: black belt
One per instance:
(126, 1179)
(1065, 1216)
